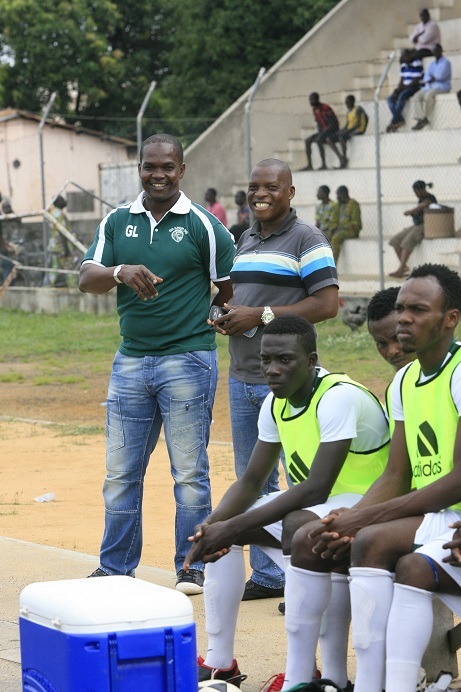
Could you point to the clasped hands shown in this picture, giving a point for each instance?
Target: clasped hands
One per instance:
(335, 533)
(209, 542)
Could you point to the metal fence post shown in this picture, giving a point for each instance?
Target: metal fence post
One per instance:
(248, 103)
(42, 173)
(151, 88)
(379, 209)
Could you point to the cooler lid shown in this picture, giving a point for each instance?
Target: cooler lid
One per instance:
(100, 604)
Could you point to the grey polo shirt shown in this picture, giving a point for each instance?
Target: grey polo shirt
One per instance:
(292, 263)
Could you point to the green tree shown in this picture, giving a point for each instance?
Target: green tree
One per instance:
(98, 55)
(217, 48)
(101, 55)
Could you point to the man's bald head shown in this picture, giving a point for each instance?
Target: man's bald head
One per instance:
(281, 166)
(270, 191)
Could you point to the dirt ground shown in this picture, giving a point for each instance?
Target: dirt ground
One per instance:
(48, 444)
(52, 441)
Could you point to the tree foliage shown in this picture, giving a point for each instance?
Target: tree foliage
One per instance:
(100, 55)
(217, 48)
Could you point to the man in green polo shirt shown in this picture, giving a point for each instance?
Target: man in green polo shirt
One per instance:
(161, 252)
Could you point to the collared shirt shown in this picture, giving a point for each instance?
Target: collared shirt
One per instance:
(283, 268)
(409, 71)
(187, 248)
(430, 35)
(440, 70)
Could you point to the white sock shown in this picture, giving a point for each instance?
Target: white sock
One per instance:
(334, 631)
(222, 591)
(371, 598)
(306, 597)
(286, 562)
(409, 631)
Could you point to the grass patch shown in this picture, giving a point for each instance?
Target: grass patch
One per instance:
(28, 336)
(80, 430)
(84, 345)
(41, 380)
(15, 377)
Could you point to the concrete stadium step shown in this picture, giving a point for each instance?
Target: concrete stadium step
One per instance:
(359, 253)
(393, 219)
(395, 182)
(427, 147)
(447, 116)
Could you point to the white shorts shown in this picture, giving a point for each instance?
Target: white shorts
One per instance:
(431, 536)
(275, 529)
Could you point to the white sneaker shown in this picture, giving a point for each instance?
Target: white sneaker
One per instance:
(440, 683)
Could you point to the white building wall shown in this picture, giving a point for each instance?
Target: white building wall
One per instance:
(68, 155)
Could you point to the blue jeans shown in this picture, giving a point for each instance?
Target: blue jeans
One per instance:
(397, 104)
(178, 391)
(245, 403)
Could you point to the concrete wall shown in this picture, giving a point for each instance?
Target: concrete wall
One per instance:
(68, 155)
(54, 300)
(326, 59)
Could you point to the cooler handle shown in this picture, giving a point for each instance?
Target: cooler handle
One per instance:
(113, 663)
(169, 660)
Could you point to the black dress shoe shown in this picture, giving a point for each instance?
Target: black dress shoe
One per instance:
(254, 591)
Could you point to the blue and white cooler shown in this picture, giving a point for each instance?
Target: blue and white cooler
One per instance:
(106, 634)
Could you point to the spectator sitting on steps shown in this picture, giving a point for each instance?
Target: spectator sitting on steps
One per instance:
(437, 80)
(327, 131)
(425, 35)
(324, 210)
(411, 74)
(406, 240)
(356, 124)
(346, 220)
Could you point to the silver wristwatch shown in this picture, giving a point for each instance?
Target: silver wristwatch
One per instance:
(267, 315)
(116, 271)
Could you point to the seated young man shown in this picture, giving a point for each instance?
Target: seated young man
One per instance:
(384, 528)
(335, 438)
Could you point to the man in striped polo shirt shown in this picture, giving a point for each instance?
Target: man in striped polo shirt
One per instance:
(161, 251)
(283, 265)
